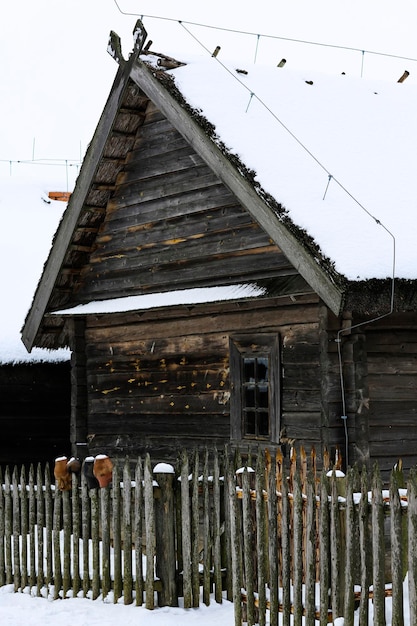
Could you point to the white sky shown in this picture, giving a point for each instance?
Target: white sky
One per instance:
(55, 72)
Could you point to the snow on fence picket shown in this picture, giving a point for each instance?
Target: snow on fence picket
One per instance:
(260, 537)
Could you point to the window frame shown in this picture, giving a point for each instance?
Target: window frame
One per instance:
(259, 345)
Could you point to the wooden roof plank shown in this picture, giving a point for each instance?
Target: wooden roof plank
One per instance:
(298, 255)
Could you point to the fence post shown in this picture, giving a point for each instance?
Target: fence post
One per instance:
(186, 531)
(378, 548)
(16, 530)
(412, 545)
(396, 553)
(137, 532)
(150, 532)
(127, 534)
(165, 535)
(349, 605)
(2, 533)
(235, 547)
(24, 527)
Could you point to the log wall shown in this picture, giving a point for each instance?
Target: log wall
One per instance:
(163, 383)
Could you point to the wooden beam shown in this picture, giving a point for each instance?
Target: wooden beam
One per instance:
(299, 256)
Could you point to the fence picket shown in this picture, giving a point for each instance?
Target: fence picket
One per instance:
(195, 526)
(412, 545)
(127, 535)
(76, 535)
(116, 535)
(349, 604)
(40, 523)
(32, 525)
(149, 533)
(261, 538)
(396, 554)
(186, 532)
(2, 534)
(324, 542)
(298, 550)
(378, 548)
(137, 532)
(24, 528)
(207, 531)
(247, 530)
(217, 556)
(57, 544)
(16, 530)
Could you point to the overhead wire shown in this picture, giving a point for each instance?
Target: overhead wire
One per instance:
(267, 36)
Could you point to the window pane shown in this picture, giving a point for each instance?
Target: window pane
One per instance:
(250, 422)
(262, 397)
(263, 423)
(248, 370)
(262, 369)
(250, 396)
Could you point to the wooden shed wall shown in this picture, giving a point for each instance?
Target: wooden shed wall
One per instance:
(172, 224)
(34, 412)
(163, 382)
(391, 347)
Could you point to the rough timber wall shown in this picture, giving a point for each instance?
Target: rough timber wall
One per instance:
(172, 224)
(391, 348)
(161, 383)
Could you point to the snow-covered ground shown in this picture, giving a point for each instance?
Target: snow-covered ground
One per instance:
(22, 609)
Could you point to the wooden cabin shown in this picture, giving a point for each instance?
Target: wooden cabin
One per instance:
(199, 312)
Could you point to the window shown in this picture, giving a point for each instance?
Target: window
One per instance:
(255, 393)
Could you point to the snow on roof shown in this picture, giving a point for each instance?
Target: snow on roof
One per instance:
(339, 153)
(29, 220)
(166, 298)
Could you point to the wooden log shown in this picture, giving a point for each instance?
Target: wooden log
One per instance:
(248, 549)
(335, 551)
(2, 534)
(95, 542)
(67, 528)
(149, 533)
(186, 531)
(207, 531)
(57, 543)
(286, 552)
(412, 545)
(8, 527)
(76, 534)
(49, 508)
(378, 547)
(127, 535)
(273, 543)
(349, 603)
(235, 547)
(396, 554)
(105, 515)
(40, 522)
(297, 549)
(217, 556)
(364, 548)
(261, 537)
(32, 526)
(165, 536)
(137, 532)
(23, 526)
(310, 552)
(324, 542)
(16, 530)
(116, 535)
(195, 527)
(86, 535)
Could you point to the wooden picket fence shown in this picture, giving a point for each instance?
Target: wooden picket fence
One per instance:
(275, 537)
